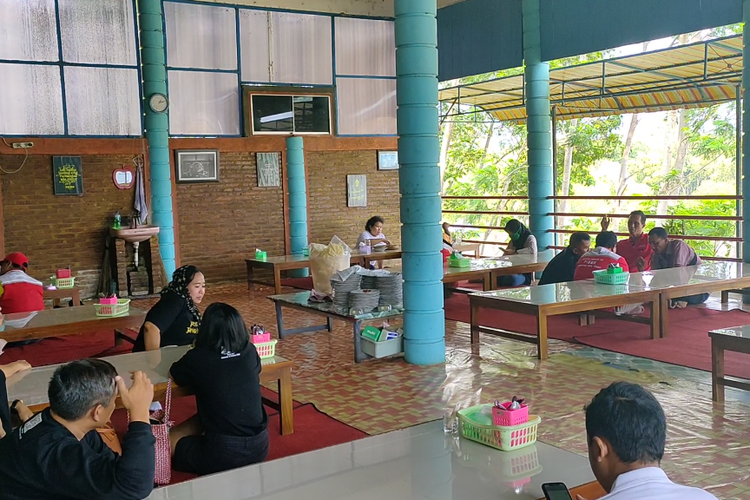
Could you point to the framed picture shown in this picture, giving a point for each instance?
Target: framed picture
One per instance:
(387, 160)
(200, 165)
(356, 190)
(269, 169)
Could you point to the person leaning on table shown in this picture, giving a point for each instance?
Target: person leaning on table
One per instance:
(58, 455)
(175, 319)
(626, 430)
(674, 253)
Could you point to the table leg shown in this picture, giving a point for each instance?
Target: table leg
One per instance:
(277, 280)
(286, 404)
(724, 296)
(76, 297)
(664, 313)
(329, 323)
(655, 318)
(541, 329)
(279, 321)
(359, 356)
(487, 284)
(55, 302)
(250, 275)
(717, 371)
(474, 321)
(583, 319)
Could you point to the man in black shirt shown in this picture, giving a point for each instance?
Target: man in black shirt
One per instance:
(58, 455)
(563, 266)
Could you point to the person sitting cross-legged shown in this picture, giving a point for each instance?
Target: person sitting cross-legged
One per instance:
(58, 455)
(669, 253)
(600, 257)
(626, 431)
(562, 267)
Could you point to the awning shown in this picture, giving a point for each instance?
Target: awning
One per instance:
(689, 76)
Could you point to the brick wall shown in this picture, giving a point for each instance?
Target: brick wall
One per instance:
(221, 223)
(328, 211)
(57, 231)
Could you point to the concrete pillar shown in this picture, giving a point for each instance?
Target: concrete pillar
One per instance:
(745, 140)
(539, 127)
(419, 180)
(153, 61)
(295, 171)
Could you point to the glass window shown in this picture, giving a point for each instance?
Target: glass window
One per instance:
(203, 103)
(312, 114)
(28, 31)
(98, 32)
(256, 59)
(302, 114)
(367, 106)
(31, 100)
(102, 101)
(365, 47)
(201, 36)
(273, 113)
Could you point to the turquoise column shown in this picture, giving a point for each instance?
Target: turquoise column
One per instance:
(745, 139)
(419, 180)
(153, 60)
(295, 171)
(539, 126)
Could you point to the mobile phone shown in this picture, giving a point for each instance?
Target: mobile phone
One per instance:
(556, 491)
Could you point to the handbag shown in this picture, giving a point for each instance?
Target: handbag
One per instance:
(160, 425)
(109, 436)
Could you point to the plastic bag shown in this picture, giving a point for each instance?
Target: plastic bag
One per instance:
(325, 261)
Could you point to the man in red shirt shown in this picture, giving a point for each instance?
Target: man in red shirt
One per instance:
(600, 257)
(19, 292)
(636, 250)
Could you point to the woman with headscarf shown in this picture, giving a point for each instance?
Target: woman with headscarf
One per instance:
(175, 319)
(521, 242)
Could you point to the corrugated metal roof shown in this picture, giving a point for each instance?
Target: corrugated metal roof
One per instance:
(689, 76)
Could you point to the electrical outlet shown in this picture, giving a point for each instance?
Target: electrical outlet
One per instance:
(22, 145)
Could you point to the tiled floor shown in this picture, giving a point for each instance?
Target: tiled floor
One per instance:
(708, 445)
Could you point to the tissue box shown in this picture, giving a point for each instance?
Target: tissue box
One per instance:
(108, 301)
(261, 255)
(261, 338)
(62, 273)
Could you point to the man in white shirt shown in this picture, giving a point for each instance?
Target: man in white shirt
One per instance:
(626, 430)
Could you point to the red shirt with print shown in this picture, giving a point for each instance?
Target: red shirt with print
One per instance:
(631, 251)
(20, 293)
(595, 260)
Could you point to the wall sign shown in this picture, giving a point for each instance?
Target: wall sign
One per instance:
(387, 160)
(67, 175)
(197, 165)
(356, 190)
(269, 168)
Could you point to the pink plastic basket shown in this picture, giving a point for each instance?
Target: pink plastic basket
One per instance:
(262, 338)
(507, 418)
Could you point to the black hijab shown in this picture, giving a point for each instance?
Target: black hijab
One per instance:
(181, 278)
(516, 227)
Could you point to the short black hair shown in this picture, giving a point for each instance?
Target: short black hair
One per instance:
(578, 238)
(631, 420)
(606, 239)
(658, 232)
(222, 329)
(79, 386)
(640, 214)
(372, 221)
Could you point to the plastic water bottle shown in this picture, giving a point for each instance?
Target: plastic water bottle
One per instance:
(118, 220)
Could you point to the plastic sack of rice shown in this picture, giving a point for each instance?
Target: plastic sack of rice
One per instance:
(327, 260)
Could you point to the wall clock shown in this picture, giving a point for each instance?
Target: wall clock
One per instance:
(158, 103)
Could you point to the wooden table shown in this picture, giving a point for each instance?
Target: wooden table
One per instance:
(65, 321)
(736, 339)
(467, 248)
(31, 386)
(560, 298)
(63, 293)
(291, 262)
(299, 301)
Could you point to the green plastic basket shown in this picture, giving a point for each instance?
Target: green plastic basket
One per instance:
(496, 436)
(605, 278)
(459, 262)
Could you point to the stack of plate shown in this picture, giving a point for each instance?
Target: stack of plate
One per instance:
(364, 300)
(342, 289)
(369, 282)
(391, 289)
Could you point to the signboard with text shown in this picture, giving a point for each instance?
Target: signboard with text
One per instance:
(67, 175)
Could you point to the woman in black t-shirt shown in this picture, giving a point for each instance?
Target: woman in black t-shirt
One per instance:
(175, 319)
(223, 369)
